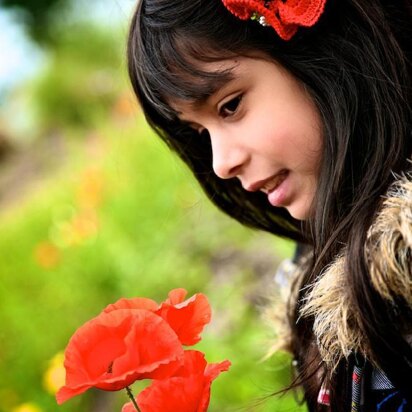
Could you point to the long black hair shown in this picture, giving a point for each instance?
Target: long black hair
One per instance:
(356, 65)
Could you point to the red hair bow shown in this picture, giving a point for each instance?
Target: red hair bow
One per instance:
(285, 16)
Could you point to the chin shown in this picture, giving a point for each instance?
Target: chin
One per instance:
(299, 213)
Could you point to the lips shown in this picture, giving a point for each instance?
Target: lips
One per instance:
(270, 184)
(274, 183)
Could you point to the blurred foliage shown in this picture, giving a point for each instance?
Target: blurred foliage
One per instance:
(37, 15)
(81, 81)
(78, 86)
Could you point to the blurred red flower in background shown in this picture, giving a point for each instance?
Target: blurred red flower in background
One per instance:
(188, 390)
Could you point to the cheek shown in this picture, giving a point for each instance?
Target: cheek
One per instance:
(288, 130)
(307, 139)
(288, 139)
(272, 131)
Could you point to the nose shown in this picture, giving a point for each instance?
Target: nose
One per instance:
(229, 156)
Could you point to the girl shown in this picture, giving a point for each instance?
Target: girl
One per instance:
(295, 117)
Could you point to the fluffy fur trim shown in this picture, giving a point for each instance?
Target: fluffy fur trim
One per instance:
(336, 326)
(389, 254)
(282, 301)
(389, 244)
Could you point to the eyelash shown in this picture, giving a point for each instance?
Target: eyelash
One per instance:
(236, 100)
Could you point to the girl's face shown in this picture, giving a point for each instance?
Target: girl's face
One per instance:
(264, 130)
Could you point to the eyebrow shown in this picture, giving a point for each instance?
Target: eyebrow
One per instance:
(210, 86)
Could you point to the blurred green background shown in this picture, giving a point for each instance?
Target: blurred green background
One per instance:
(93, 207)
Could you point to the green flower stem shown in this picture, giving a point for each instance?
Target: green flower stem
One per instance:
(130, 395)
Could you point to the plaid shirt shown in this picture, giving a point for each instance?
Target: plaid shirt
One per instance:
(372, 391)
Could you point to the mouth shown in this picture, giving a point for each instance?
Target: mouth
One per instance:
(270, 184)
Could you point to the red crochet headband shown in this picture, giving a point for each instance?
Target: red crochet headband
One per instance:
(285, 16)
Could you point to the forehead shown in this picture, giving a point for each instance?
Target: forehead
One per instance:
(218, 76)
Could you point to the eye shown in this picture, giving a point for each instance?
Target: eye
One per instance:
(230, 107)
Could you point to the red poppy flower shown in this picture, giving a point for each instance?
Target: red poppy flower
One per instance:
(115, 349)
(186, 317)
(187, 391)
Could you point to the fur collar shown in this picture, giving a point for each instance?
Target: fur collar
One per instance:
(388, 251)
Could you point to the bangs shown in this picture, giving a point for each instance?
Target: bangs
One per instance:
(176, 71)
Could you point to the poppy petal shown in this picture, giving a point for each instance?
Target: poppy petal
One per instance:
(155, 348)
(172, 394)
(65, 393)
(213, 370)
(187, 391)
(187, 318)
(128, 407)
(194, 362)
(211, 373)
(93, 347)
(176, 296)
(134, 303)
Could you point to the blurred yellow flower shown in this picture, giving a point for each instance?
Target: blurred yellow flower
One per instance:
(85, 225)
(78, 228)
(91, 189)
(27, 407)
(47, 255)
(54, 377)
(125, 107)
